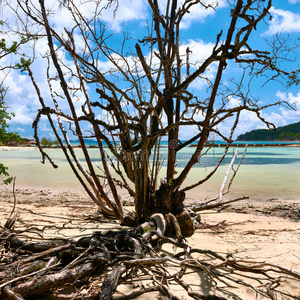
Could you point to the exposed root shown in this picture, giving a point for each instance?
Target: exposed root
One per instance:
(62, 269)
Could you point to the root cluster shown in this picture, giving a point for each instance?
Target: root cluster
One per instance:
(97, 267)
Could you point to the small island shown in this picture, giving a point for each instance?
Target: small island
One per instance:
(286, 133)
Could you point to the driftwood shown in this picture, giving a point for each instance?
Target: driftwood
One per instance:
(59, 269)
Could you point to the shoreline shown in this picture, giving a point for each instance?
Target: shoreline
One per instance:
(276, 176)
(17, 148)
(279, 207)
(237, 145)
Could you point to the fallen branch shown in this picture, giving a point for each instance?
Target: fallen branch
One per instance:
(110, 258)
(11, 219)
(207, 206)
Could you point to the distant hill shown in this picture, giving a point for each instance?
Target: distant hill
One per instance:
(286, 133)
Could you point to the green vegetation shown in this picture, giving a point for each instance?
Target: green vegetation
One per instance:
(286, 133)
(10, 137)
(14, 46)
(3, 171)
(6, 137)
(6, 49)
(48, 142)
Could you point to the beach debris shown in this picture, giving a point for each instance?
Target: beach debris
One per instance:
(98, 266)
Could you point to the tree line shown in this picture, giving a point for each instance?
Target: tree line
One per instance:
(289, 132)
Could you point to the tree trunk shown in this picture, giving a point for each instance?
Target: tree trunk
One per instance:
(165, 202)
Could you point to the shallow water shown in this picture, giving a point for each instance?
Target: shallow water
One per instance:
(265, 173)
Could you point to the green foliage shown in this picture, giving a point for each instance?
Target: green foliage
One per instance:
(48, 142)
(286, 133)
(6, 137)
(24, 64)
(13, 48)
(289, 136)
(3, 171)
(8, 49)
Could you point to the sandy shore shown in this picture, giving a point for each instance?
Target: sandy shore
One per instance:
(16, 148)
(254, 231)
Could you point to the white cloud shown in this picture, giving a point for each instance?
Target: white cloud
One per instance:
(198, 13)
(23, 115)
(20, 129)
(233, 102)
(289, 98)
(201, 82)
(16, 129)
(283, 21)
(113, 17)
(61, 17)
(199, 52)
(294, 1)
(249, 121)
(22, 97)
(291, 116)
(127, 11)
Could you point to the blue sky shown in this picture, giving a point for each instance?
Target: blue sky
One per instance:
(199, 30)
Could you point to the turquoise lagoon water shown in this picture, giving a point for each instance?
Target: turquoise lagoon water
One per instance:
(265, 173)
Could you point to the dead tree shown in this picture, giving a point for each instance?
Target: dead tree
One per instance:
(126, 102)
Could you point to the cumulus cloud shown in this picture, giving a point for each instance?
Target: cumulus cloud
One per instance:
(283, 116)
(23, 115)
(59, 16)
(249, 121)
(21, 96)
(128, 10)
(233, 102)
(283, 21)
(114, 16)
(199, 51)
(289, 98)
(290, 115)
(199, 13)
(20, 129)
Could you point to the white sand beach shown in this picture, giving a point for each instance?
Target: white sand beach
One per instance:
(243, 230)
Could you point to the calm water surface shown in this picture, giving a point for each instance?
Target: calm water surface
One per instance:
(266, 172)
